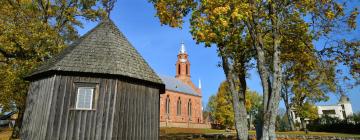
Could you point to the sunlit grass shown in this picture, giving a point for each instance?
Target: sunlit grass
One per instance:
(5, 134)
(172, 131)
(319, 134)
(189, 131)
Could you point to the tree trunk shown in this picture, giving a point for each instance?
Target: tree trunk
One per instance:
(243, 122)
(263, 71)
(303, 125)
(258, 130)
(285, 96)
(240, 114)
(290, 119)
(274, 99)
(264, 76)
(250, 121)
(265, 82)
(288, 112)
(271, 87)
(18, 123)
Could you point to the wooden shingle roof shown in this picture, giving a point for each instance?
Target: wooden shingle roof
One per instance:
(102, 50)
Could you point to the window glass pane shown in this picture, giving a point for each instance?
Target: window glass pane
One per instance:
(84, 98)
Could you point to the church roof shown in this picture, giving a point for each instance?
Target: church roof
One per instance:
(102, 50)
(174, 84)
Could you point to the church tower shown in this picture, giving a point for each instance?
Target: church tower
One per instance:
(346, 107)
(183, 65)
(183, 69)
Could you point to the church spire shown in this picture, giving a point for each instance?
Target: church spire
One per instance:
(199, 83)
(182, 48)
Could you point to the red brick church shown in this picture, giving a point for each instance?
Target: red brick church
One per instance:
(181, 105)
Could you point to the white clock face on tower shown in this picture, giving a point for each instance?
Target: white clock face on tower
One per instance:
(183, 60)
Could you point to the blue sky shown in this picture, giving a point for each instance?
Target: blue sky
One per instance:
(159, 46)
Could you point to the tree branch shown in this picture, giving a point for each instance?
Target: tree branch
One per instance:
(5, 54)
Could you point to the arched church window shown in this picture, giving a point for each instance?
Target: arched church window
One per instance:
(189, 108)
(187, 72)
(178, 69)
(167, 105)
(179, 107)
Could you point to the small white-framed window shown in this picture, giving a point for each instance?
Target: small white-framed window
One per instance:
(84, 98)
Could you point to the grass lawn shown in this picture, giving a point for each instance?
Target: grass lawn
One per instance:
(319, 134)
(5, 134)
(164, 131)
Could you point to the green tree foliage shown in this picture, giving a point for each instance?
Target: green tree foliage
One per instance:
(281, 121)
(253, 102)
(211, 106)
(221, 108)
(32, 31)
(356, 117)
(307, 111)
(306, 79)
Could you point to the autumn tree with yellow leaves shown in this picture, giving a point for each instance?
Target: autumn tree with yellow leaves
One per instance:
(307, 78)
(221, 108)
(263, 26)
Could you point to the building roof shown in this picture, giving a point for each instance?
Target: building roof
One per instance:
(102, 50)
(344, 99)
(174, 84)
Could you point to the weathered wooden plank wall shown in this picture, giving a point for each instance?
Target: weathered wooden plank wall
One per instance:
(142, 119)
(123, 110)
(37, 108)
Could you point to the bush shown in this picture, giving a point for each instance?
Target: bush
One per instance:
(328, 124)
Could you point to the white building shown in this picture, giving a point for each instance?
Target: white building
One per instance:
(341, 110)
